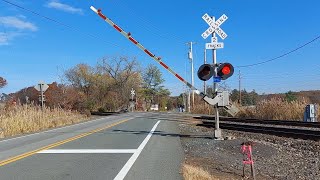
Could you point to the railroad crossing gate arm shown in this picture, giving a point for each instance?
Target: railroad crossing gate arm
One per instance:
(221, 99)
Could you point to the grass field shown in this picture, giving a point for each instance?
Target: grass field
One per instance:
(276, 109)
(27, 118)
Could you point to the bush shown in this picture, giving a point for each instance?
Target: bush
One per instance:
(101, 109)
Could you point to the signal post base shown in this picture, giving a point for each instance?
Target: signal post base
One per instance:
(218, 134)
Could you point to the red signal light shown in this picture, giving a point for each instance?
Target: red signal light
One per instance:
(226, 70)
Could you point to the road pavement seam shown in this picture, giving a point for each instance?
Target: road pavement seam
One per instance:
(125, 169)
(88, 151)
(24, 155)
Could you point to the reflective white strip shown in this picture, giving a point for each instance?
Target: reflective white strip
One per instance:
(94, 9)
(122, 174)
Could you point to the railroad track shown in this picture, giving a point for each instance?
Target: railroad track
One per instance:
(261, 121)
(259, 126)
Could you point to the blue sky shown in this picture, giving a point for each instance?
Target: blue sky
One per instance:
(33, 48)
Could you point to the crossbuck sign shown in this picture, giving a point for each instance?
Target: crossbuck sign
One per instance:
(214, 26)
(133, 92)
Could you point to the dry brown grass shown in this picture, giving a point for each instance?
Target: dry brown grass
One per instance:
(202, 108)
(27, 118)
(195, 173)
(277, 109)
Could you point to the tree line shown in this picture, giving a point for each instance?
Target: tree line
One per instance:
(105, 86)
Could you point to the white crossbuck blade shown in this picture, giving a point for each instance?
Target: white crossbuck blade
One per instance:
(214, 26)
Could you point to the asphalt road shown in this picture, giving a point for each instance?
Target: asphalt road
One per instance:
(127, 146)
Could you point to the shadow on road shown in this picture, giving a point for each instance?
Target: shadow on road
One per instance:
(162, 133)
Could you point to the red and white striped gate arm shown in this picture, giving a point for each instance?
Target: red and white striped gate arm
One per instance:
(158, 59)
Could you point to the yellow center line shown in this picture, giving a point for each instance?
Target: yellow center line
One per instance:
(24, 155)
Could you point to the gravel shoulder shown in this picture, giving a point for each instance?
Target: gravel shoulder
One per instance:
(275, 157)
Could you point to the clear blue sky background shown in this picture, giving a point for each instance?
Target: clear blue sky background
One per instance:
(33, 48)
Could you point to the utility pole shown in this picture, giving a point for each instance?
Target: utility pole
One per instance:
(184, 102)
(189, 106)
(190, 56)
(186, 96)
(240, 87)
(205, 62)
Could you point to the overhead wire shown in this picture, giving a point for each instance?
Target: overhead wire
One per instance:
(241, 66)
(95, 36)
(281, 56)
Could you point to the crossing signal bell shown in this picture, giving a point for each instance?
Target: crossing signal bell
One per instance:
(224, 71)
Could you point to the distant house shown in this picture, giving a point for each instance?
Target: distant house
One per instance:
(3, 97)
(154, 107)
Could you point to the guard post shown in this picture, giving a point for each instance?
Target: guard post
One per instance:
(246, 149)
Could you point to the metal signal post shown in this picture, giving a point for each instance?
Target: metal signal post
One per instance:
(206, 70)
(217, 131)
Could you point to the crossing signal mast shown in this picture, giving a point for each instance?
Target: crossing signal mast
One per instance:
(219, 71)
(222, 98)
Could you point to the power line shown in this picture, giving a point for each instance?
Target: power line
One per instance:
(281, 56)
(92, 35)
(242, 66)
(57, 22)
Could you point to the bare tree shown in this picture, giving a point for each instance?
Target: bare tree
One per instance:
(3, 82)
(125, 75)
(119, 68)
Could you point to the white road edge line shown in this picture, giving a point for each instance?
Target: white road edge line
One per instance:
(88, 151)
(125, 169)
(56, 129)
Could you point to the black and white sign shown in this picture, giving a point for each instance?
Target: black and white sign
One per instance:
(214, 45)
(133, 92)
(214, 26)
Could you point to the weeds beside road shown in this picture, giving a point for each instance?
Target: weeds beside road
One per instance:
(196, 173)
(27, 119)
